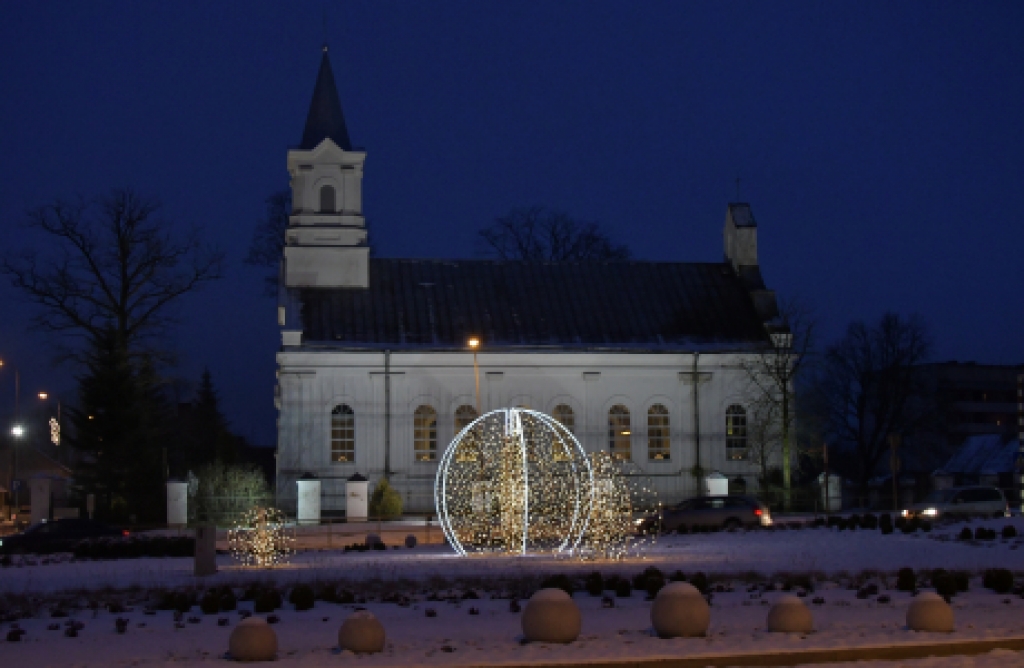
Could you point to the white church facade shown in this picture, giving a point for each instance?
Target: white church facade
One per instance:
(644, 360)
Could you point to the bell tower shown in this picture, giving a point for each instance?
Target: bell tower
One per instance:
(325, 242)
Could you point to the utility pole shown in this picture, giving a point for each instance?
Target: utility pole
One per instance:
(894, 464)
(1020, 437)
(828, 496)
(474, 344)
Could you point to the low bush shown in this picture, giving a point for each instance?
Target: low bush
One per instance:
(302, 597)
(623, 589)
(966, 534)
(906, 580)
(640, 579)
(611, 582)
(559, 581)
(1009, 531)
(900, 523)
(268, 600)
(885, 523)
(700, 582)
(654, 584)
(853, 522)
(945, 585)
(677, 576)
(210, 603)
(869, 521)
(228, 602)
(999, 580)
(962, 580)
(594, 584)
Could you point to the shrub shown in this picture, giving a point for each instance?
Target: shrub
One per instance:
(654, 584)
(410, 541)
(966, 534)
(962, 580)
(559, 581)
(906, 580)
(594, 584)
(926, 526)
(210, 603)
(677, 576)
(228, 602)
(640, 579)
(819, 522)
(683, 529)
(302, 597)
(385, 502)
(268, 600)
(700, 582)
(999, 580)
(853, 522)
(1009, 531)
(885, 523)
(869, 521)
(944, 584)
(900, 522)
(623, 589)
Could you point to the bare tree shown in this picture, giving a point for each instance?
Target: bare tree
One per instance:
(774, 370)
(869, 387)
(111, 267)
(539, 234)
(267, 246)
(763, 437)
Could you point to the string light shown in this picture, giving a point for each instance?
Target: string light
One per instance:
(261, 538)
(516, 481)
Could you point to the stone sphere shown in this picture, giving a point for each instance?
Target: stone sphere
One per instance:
(790, 615)
(253, 640)
(362, 633)
(930, 612)
(551, 616)
(680, 611)
(372, 539)
(410, 541)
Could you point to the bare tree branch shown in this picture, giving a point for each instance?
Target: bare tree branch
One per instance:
(537, 234)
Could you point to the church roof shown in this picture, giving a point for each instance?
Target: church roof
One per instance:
(325, 118)
(621, 305)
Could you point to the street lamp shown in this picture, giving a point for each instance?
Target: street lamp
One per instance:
(474, 344)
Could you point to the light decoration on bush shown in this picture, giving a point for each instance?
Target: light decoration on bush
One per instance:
(620, 493)
(516, 481)
(261, 538)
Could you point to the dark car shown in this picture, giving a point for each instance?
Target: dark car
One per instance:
(711, 511)
(57, 536)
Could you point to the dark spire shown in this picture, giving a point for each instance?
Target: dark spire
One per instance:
(325, 117)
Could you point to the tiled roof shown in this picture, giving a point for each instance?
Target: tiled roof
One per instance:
(440, 303)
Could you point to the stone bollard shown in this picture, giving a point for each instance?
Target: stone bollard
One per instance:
(930, 612)
(206, 550)
(362, 633)
(253, 640)
(551, 616)
(790, 615)
(680, 611)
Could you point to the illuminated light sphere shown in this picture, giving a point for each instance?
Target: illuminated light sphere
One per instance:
(261, 538)
(514, 481)
(620, 495)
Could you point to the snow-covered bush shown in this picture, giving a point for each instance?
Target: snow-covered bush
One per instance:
(966, 534)
(999, 580)
(302, 597)
(559, 581)
(594, 584)
(906, 580)
(1009, 531)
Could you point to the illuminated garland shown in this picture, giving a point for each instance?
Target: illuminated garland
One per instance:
(261, 538)
(516, 481)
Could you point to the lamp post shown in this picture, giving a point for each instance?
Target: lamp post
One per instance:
(17, 431)
(473, 344)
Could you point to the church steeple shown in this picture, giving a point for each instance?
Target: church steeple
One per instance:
(325, 118)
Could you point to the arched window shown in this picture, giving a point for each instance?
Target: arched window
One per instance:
(327, 199)
(343, 434)
(658, 442)
(736, 432)
(619, 434)
(564, 416)
(425, 434)
(467, 451)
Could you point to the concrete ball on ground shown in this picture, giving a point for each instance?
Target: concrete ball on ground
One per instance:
(410, 541)
(790, 615)
(551, 616)
(680, 611)
(253, 640)
(372, 539)
(930, 612)
(362, 633)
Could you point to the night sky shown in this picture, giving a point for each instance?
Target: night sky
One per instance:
(881, 145)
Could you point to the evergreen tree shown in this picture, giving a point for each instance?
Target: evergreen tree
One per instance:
(214, 441)
(118, 429)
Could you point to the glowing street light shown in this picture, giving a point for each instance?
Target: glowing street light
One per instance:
(17, 431)
(473, 344)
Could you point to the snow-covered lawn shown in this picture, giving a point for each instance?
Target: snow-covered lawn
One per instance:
(455, 636)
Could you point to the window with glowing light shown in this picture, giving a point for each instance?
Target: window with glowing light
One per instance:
(658, 444)
(620, 436)
(327, 199)
(425, 434)
(343, 434)
(736, 432)
(464, 415)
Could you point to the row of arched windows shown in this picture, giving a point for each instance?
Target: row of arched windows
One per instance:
(620, 433)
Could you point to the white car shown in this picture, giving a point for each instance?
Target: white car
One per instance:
(961, 502)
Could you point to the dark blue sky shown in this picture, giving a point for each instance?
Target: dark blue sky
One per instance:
(880, 144)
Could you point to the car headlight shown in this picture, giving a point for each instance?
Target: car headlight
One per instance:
(640, 521)
(930, 512)
(905, 513)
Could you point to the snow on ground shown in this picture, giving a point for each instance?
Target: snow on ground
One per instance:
(457, 637)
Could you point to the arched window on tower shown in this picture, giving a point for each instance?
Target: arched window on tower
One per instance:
(425, 434)
(620, 436)
(736, 432)
(327, 199)
(658, 442)
(343, 434)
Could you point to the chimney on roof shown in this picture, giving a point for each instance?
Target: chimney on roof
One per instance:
(740, 236)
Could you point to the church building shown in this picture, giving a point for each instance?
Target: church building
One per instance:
(384, 360)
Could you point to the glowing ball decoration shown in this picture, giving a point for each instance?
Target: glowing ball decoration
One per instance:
(261, 538)
(620, 494)
(514, 481)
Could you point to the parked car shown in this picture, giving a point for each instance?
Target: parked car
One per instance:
(961, 502)
(57, 536)
(710, 511)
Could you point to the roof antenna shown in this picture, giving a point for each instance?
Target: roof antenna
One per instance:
(325, 27)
